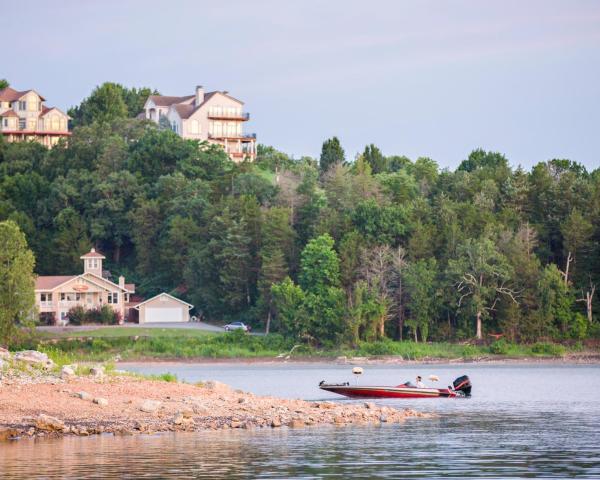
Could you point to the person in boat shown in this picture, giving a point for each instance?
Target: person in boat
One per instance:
(420, 384)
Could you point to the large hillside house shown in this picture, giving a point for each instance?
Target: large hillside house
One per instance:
(56, 295)
(24, 117)
(215, 117)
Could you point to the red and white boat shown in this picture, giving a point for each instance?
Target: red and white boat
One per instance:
(461, 387)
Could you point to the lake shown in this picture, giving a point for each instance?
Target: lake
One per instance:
(539, 421)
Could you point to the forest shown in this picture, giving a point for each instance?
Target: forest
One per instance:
(331, 250)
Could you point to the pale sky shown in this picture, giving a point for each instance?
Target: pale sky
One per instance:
(417, 78)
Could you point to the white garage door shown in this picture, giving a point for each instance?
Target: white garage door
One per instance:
(163, 315)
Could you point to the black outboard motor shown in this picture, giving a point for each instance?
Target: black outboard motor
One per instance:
(463, 384)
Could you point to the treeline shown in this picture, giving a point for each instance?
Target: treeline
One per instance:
(329, 251)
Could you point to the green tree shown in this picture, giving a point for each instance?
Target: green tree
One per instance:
(481, 275)
(375, 159)
(17, 298)
(331, 153)
(320, 265)
(71, 241)
(105, 104)
(4, 83)
(420, 284)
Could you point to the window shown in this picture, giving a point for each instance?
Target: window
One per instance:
(93, 263)
(70, 297)
(46, 297)
(6, 122)
(113, 297)
(22, 124)
(55, 123)
(33, 106)
(22, 105)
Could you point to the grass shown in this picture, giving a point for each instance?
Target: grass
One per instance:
(113, 332)
(138, 343)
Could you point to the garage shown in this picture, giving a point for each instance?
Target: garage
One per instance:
(164, 308)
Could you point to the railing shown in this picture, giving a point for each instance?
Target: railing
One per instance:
(229, 116)
(242, 136)
(46, 304)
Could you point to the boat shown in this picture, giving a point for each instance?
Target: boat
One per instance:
(461, 387)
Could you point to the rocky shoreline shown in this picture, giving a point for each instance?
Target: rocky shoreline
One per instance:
(38, 400)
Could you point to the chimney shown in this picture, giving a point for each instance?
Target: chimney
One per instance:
(199, 95)
(122, 281)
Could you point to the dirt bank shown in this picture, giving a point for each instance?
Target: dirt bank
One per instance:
(126, 405)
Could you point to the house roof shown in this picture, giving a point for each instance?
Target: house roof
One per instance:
(189, 305)
(130, 287)
(9, 113)
(51, 282)
(9, 94)
(93, 254)
(165, 101)
(46, 110)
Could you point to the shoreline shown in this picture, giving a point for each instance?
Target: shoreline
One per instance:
(590, 358)
(50, 406)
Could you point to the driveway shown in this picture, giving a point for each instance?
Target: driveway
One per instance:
(184, 325)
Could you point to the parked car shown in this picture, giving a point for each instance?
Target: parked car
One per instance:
(237, 326)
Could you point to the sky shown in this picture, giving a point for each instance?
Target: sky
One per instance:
(416, 78)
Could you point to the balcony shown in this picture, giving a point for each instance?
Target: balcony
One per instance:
(242, 117)
(244, 137)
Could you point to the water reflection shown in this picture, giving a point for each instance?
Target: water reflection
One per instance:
(523, 422)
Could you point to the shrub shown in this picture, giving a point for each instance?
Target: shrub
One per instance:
(469, 351)
(500, 347)
(77, 315)
(551, 349)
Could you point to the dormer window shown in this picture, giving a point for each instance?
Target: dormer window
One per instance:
(93, 263)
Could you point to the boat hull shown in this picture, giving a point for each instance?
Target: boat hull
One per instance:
(400, 391)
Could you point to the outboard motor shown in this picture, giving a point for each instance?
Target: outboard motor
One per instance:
(463, 384)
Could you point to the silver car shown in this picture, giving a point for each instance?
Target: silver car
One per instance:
(237, 326)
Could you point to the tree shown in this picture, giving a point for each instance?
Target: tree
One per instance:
(373, 156)
(320, 265)
(481, 275)
(71, 240)
(4, 83)
(420, 282)
(17, 298)
(110, 101)
(331, 153)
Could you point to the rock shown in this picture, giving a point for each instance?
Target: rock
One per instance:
(102, 402)
(383, 418)
(83, 395)
(8, 434)
(33, 357)
(217, 386)
(275, 423)
(67, 371)
(326, 405)
(338, 420)
(48, 423)
(4, 354)
(296, 423)
(242, 400)
(369, 405)
(187, 413)
(178, 418)
(236, 424)
(150, 406)
(97, 371)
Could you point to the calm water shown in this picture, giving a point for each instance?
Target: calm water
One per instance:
(522, 421)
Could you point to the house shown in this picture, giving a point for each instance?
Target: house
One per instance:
(24, 117)
(56, 295)
(163, 308)
(215, 117)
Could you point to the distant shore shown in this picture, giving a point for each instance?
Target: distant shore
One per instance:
(583, 358)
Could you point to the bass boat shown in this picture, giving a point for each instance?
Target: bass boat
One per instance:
(461, 387)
